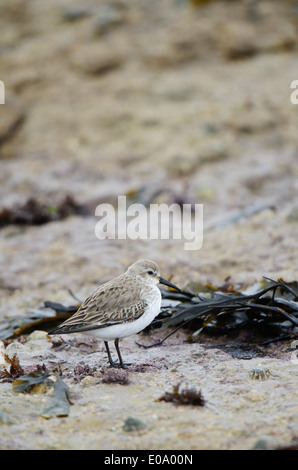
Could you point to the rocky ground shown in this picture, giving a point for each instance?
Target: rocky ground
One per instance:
(161, 101)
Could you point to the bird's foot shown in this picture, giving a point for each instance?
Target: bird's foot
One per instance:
(120, 365)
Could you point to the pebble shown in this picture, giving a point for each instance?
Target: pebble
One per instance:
(133, 424)
(265, 443)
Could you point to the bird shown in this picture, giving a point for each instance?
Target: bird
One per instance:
(120, 307)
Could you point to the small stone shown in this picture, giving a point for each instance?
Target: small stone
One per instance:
(38, 335)
(15, 348)
(265, 443)
(133, 424)
(38, 341)
(88, 381)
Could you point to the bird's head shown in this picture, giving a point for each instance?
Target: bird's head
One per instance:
(148, 271)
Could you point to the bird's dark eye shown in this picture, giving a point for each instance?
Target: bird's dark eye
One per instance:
(150, 272)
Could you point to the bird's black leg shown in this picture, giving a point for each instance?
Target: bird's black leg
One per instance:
(112, 363)
(124, 366)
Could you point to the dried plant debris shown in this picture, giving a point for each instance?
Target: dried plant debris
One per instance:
(112, 376)
(44, 318)
(15, 369)
(81, 371)
(185, 396)
(37, 381)
(59, 405)
(34, 212)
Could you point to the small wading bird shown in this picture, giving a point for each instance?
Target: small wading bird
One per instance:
(121, 307)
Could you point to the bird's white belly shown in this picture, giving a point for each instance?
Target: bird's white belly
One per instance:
(124, 329)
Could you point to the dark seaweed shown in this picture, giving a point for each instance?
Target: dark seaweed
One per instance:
(270, 311)
(34, 212)
(187, 396)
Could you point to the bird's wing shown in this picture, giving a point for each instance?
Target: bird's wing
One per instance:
(108, 305)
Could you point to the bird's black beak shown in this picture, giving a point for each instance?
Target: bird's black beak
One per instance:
(167, 283)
